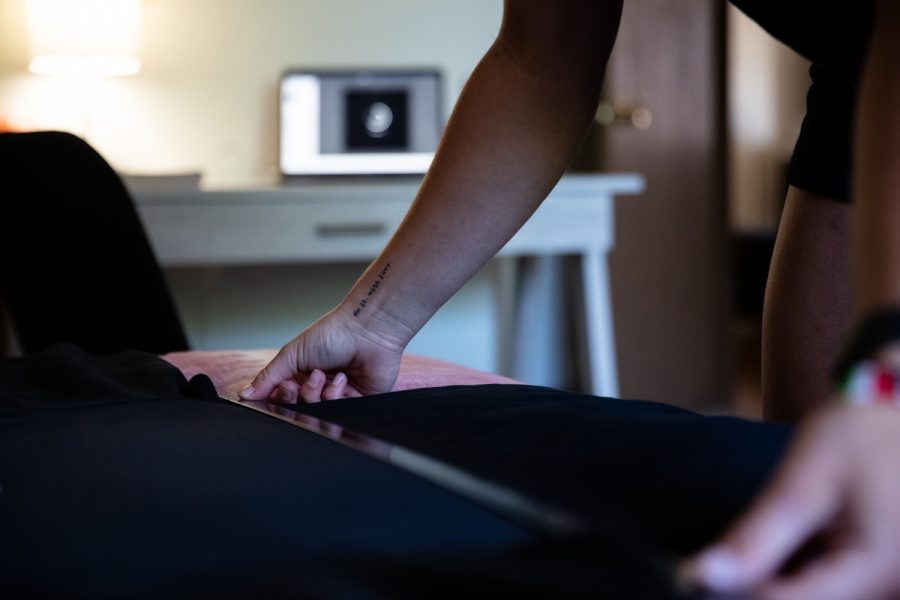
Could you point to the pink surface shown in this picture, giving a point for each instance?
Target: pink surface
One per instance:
(231, 370)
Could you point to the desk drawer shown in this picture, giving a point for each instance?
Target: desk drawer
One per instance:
(247, 234)
(335, 221)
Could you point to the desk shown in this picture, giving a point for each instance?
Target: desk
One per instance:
(341, 221)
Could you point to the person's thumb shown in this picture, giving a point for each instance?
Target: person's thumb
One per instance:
(281, 368)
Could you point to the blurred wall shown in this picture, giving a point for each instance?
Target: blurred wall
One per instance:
(206, 99)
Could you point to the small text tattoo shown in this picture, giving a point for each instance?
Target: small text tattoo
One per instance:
(372, 290)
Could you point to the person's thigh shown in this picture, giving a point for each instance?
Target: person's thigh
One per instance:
(807, 304)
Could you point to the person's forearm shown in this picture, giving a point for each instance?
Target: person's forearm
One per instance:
(517, 123)
(877, 167)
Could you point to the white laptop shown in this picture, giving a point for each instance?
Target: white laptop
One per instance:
(359, 122)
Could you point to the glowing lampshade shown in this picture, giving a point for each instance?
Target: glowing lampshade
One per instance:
(84, 37)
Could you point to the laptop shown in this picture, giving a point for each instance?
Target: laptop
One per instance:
(359, 122)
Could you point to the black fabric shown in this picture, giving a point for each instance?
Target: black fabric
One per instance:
(121, 478)
(834, 36)
(822, 161)
(668, 477)
(76, 266)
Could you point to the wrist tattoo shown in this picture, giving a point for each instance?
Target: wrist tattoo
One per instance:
(372, 290)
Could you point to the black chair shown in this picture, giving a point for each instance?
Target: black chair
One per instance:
(76, 264)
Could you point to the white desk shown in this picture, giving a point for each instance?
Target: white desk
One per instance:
(346, 221)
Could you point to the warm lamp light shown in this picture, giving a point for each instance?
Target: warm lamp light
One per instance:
(84, 37)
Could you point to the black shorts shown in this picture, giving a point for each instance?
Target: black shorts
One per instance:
(834, 36)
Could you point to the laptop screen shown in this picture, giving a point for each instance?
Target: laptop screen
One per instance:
(359, 122)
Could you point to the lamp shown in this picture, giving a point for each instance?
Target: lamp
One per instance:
(84, 37)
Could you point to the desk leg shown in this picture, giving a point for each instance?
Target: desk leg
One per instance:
(598, 324)
(532, 320)
(507, 291)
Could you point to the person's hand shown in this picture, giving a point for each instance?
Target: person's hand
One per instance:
(828, 525)
(333, 358)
